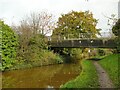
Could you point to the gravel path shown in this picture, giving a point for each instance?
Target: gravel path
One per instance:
(104, 80)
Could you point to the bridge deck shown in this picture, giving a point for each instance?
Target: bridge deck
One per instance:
(90, 43)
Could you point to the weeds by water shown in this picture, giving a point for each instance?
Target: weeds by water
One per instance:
(44, 57)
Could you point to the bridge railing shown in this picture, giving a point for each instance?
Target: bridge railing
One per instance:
(102, 35)
(71, 37)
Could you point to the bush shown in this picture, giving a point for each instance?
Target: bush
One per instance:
(9, 46)
(38, 58)
(101, 52)
(38, 40)
(76, 53)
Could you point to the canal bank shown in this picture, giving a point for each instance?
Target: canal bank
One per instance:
(62, 75)
(89, 77)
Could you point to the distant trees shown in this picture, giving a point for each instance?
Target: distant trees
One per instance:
(75, 23)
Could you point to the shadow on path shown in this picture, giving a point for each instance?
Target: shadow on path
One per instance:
(95, 59)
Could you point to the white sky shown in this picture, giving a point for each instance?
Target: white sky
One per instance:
(12, 11)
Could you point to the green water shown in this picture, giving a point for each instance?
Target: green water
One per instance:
(41, 77)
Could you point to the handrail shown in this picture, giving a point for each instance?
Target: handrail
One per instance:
(81, 36)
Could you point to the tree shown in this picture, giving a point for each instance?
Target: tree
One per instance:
(75, 23)
(116, 31)
(9, 46)
(116, 28)
(36, 24)
(41, 23)
(32, 31)
(111, 22)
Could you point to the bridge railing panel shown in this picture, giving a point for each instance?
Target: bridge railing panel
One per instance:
(103, 35)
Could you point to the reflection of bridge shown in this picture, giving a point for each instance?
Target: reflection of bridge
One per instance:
(106, 42)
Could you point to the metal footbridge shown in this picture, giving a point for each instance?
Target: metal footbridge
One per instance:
(83, 41)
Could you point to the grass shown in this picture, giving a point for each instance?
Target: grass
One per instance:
(87, 79)
(110, 64)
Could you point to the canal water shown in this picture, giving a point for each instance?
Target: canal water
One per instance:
(41, 77)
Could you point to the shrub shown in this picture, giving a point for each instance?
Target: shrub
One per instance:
(9, 46)
(101, 52)
(76, 53)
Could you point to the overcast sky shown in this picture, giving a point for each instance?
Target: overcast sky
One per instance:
(12, 11)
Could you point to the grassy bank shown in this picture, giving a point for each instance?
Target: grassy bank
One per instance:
(110, 64)
(87, 79)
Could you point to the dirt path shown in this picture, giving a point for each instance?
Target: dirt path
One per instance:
(104, 80)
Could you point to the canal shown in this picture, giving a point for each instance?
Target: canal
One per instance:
(41, 77)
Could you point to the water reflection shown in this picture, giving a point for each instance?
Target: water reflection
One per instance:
(41, 77)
